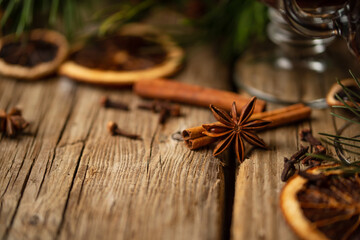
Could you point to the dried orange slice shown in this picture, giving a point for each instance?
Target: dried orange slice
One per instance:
(136, 52)
(325, 208)
(337, 89)
(32, 56)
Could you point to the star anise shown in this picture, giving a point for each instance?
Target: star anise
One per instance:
(12, 123)
(234, 128)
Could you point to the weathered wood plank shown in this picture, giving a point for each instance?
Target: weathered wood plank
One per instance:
(70, 179)
(155, 187)
(19, 155)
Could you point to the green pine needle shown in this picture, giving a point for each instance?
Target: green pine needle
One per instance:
(336, 140)
(355, 78)
(344, 143)
(53, 11)
(125, 14)
(341, 137)
(347, 106)
(343, 107)
(23, 15)
(344, 118)
(348, 93)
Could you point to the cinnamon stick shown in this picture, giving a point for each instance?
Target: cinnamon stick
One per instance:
(199, 142)
(194, 137)
(288, 117)
(192, 94)
(194, 132)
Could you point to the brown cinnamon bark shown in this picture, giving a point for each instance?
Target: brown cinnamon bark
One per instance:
(199, 142)
(278, 117)
(192, 94)
(194, 132)
(290, 116)
(194, 137)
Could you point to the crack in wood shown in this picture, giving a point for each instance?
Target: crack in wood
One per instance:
(42, 117)
(48, 169)
(12, 163)
(23, 187)
(161, 165)
(58, 231)
(151, 147)
(6, 188)
(72, 143)
(21, 166)
(45, 173)
(69, 192)
(229, 195)
(7, 231)
(149, 157)
(82, 184)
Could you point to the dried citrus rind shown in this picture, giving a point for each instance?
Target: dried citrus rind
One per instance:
(337, 89)
(171, 63)
(42, 68)
(324, 209)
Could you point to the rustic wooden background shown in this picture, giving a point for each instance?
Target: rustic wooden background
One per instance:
(67, 178)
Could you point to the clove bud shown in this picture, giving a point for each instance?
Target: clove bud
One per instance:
(107, 103)
(165, 109)
(115, 130)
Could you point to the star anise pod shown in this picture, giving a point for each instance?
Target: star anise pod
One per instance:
(234, 128)
(12, 123)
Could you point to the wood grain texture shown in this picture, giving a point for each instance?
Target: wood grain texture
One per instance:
(69, 179)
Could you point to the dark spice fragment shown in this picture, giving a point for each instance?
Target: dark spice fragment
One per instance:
(107, 103)
(311, 161)
(165, 108)
(289, 164)
(120, 53)
(332, 204)
(318, 148)
(12, 123)
(29, 53)
(115, 130)
(306, 135)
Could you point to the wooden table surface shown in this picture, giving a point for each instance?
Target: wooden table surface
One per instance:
(67, 178)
